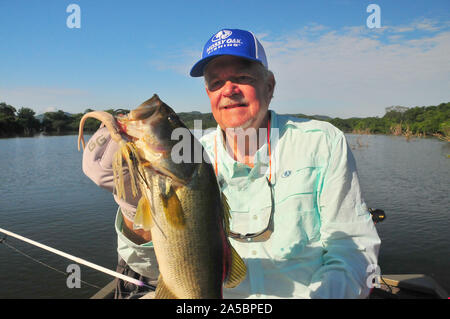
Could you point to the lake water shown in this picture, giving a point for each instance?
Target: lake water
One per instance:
(45, 196)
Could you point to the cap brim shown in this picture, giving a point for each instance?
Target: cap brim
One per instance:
(198, 68)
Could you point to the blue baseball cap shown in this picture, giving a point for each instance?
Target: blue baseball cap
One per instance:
(235, 42)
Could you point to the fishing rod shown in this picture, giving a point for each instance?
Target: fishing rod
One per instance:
(378, 216)
(77, 259)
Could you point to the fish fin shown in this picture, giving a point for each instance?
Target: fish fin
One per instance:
(173, 209)
(162, 291)
(226, 214)
(143, 217)
(237, 271)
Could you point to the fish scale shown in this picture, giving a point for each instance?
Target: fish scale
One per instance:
(190, 258)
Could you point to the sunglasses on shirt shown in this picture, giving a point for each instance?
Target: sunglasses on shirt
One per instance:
(264, 234)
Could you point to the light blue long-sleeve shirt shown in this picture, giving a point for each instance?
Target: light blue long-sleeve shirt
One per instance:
(324, 238)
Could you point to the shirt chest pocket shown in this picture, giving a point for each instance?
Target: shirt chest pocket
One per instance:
(296, 218)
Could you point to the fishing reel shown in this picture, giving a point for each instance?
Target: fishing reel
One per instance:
(378, 215)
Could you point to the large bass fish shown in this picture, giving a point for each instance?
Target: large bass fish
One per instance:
(181, 203)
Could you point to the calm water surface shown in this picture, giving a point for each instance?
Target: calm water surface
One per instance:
(45, 196)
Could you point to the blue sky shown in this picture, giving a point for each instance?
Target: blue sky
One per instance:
(324, 57)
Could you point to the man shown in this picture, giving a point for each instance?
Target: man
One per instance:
(298, 218)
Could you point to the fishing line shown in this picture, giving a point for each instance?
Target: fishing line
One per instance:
(389, 286)
(3, 241)
(77, 259)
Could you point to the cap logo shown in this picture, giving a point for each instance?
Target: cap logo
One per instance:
(221, 35)
(222, 40)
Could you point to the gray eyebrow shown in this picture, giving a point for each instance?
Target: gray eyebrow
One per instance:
(242, 70)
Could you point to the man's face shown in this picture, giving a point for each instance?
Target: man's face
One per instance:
(238, 93)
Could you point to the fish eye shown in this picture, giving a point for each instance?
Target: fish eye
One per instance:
(172, 118)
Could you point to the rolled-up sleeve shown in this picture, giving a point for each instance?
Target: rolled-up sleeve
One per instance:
(347, 234)
(97, 165)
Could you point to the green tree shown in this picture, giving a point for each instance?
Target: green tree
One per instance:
(91, 124)
(393, 116)
(8, 124)
(343, 125)
(57, 122)
(28, 123)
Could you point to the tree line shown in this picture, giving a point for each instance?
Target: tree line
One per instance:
(23, 122)
(398, 120)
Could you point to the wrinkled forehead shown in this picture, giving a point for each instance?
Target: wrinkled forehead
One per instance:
(229, 64)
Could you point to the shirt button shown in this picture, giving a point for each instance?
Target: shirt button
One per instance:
(254, 252)
(286, 174)
(255, 217)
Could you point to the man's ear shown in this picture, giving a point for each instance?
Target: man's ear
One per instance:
(270, 85)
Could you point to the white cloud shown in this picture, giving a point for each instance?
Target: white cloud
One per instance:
(403, 29)
(352, 73)
(50, 109)
(419, 25)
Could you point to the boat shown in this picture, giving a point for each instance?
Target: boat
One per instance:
(397, 286)
(408, 286)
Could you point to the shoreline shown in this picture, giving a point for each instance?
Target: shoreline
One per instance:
(42, 134)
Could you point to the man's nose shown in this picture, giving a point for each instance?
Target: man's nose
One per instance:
(230, 88)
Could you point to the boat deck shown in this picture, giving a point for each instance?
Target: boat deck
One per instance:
(405, 286)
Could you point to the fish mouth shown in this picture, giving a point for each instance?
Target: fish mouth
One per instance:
(158, 149)
(153, 146)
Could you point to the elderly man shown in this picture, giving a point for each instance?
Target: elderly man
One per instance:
(298, 217)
